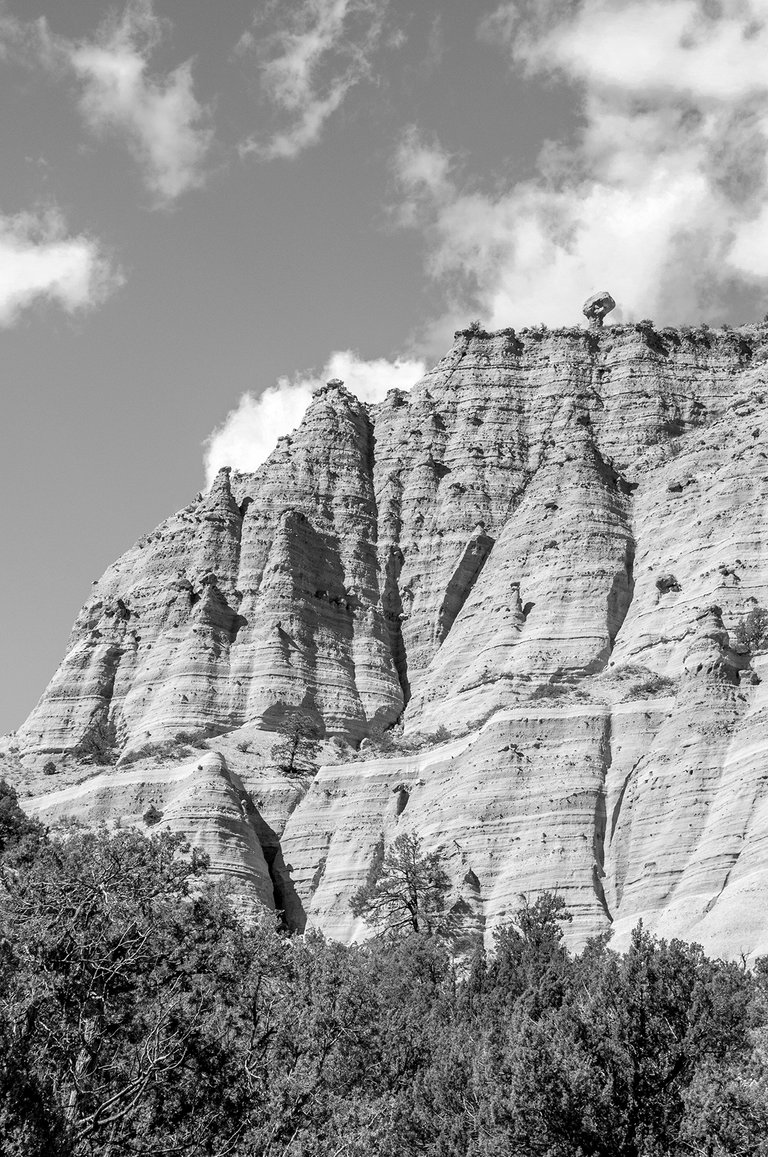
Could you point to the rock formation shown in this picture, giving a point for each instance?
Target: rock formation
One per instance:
(597, 306)
(498, 610)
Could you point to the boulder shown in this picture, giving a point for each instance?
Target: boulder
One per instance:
(597, 306)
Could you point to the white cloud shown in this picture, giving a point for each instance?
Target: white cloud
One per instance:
(248, 434)
(716, 50)
(308, 65)
(661, 197)
(158, 118)
(161, 121)
(40, 262)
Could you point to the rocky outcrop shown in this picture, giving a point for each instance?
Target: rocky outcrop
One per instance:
(597, 307)
(498, 610)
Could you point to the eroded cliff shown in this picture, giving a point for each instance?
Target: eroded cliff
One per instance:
(504, 603)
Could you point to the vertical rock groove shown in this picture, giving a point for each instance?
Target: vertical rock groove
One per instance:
(598, 870)
(394, 615)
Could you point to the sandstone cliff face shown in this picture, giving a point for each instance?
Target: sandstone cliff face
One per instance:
(540, 553)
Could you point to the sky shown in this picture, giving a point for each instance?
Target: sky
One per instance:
(206, 209)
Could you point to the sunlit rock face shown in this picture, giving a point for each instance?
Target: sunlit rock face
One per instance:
(529, 569)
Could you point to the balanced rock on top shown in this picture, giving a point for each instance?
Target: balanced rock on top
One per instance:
(597, 306)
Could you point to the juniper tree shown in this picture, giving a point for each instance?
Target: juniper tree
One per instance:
(405, 890)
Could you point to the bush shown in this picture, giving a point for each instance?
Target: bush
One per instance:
(667, 582)
(655, 684)
(50, 768)
(753, 630)
(152, 816)
(550, 691)
(192, 738)
(166, 750)
(474, 329)
(99, 744)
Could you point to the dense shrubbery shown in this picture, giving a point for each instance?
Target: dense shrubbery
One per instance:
(139, 1016)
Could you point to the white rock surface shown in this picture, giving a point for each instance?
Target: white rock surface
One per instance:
(543, 551)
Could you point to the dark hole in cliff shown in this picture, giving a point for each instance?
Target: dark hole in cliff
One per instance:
(238, 622)
(441, 469)
(527, 609)
(403, 795)
(244, 506)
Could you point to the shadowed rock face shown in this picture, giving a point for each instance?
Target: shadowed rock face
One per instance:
(485, 557)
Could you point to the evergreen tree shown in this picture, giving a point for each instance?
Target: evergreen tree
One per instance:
(405, 890)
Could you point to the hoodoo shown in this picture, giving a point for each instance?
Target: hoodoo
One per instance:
(597, 307)
(516, 611)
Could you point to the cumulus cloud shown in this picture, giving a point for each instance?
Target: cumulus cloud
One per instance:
(158, 117)
(662, 197)
(39, 261)
(248, 434)
(308, 64)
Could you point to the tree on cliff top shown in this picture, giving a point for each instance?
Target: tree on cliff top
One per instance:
(405, 890)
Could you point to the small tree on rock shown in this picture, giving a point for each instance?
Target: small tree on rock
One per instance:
(405, 890)
(753, 630)
(297, 749)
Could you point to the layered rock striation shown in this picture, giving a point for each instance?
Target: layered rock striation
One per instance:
(499, 610)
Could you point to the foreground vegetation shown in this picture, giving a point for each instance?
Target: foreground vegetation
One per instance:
(139, 1016)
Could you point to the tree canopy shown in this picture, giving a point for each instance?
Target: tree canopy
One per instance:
(140, 1016)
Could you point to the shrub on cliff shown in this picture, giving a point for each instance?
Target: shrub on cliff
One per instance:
(474, 329)
(653, 684)
(753, 630)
